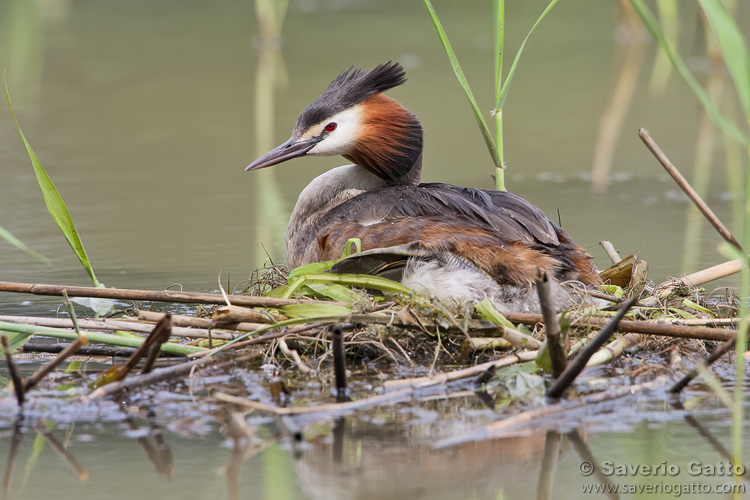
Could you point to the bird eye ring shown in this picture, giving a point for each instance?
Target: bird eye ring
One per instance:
(330, 127)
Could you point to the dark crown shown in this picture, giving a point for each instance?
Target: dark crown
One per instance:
(349, 88)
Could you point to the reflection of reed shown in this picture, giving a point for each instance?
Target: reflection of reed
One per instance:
(549, 466)
(669, 17)
(611, 121)
(10, 465)
(271, 214)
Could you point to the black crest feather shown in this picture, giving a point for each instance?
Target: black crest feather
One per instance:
(349, 88)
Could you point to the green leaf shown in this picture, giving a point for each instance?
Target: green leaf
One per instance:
(54, 202)
(7, 236)
(352, 246)
(104, 338)
(500, 98)
(613, 290)
(464, 83)
(338, 293)
(543, 362)
(312, 268)
(697, 307)
(487, 311)
(17, 339)
(649, 21)
(350, 280)
(733, 48)
(315, 310)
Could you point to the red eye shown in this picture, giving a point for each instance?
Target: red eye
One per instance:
(330, 127)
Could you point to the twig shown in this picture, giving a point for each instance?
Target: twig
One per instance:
(339, 362)
(645, 327)
(684, 381)
(687, 188)
(265, 338)
(166, 373)
(609, 249)
(115, 324)
(291, 353)
(464, 373)
(508, 426)
(162, 332)
(14, 375)
(237, 314)
(44, 370)
(714, 272)
(105, 351)
(614, 349)
(203, 323)
(551, 325)
(579, 362)
(152, 295)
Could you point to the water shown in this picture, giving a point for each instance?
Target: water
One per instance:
(145, 114)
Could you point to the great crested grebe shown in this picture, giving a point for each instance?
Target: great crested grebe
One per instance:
(448, 241)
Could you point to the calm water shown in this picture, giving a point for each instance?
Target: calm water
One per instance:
(145, 114)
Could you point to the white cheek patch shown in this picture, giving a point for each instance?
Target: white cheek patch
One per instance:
(343, 139)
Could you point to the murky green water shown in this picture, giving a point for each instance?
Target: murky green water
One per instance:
(145, 114)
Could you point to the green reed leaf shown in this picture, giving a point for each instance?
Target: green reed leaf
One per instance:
(651, 24)
(489, 141)
(7, 236)
(54, 201)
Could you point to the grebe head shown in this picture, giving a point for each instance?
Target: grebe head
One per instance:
(354, 119)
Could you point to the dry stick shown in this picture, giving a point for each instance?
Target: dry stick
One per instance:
(609, 249)
(507, 426)
(645, 327)
(112, 324)
(687, 188)
(45, 370)
(684, 381)
(109, 352)
(83, 474)
(714, 272)
(122, 371)
(551, 325)
(152, 295)
(615, 349)
(204, 323)
(162, 332)
(339, 362)
(443, 378)
(166, 373)
(579, 362)
(14, 375)
(291, 353)
(265, 338)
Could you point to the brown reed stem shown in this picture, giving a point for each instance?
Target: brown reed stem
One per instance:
(551, 325)
(579, 362)
(47, 368)
(687, 188)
